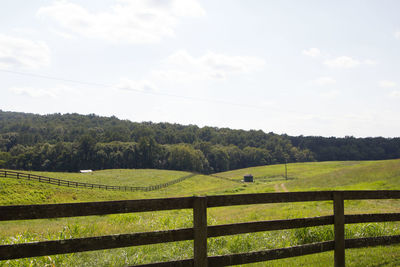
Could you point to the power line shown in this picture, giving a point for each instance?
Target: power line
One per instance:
(135, 90)
(217, 101)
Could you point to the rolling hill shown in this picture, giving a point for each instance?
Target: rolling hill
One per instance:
(301, 177)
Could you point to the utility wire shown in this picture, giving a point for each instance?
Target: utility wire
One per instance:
(217, 101)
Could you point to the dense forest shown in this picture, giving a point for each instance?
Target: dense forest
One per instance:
(69, 142)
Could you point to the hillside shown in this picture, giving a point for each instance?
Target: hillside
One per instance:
(339, 175)
(301, 177)
(30, 192)
(70, 142)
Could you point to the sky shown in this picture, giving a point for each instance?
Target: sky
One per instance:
(321, 68)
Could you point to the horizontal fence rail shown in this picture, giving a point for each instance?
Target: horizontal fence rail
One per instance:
(201, 231)
(62, 182)
(47, 211)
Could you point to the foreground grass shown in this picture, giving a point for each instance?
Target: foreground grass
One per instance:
(303, 177)
(365, 257)
(182, 250)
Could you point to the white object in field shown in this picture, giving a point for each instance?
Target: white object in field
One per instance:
(85, 171)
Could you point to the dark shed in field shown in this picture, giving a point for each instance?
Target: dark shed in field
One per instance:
(248, 178)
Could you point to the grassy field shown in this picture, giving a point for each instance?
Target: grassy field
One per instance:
(301, 177)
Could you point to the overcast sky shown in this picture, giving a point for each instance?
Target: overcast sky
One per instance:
(329, 68)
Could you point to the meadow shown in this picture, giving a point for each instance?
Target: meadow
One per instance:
(349, 175)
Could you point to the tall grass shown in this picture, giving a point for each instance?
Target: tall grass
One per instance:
(306, 176)
(178, 250)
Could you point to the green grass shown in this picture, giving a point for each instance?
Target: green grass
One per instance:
(303, 177)
(329, 175)
(122, 177)
(14, 191)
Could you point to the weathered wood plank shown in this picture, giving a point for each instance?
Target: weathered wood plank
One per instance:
(100, 208)
(272, 254)
(377, 217)
(338, 209)
(260, 198)
(200, 231)
(372, 241)
(252, 227)
(181, 263)
(24, 212)
(44, 248)
(371, 194)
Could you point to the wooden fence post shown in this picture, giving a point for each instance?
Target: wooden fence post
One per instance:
(338, 213)
(200, 231)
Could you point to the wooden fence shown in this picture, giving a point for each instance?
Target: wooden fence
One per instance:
(201, 231)
(61, 182)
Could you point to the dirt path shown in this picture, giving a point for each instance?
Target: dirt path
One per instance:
(276, 187)
(284, 188)
(280, 188)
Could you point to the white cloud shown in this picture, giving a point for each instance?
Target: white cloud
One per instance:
(342, 62)
(387, 84)
(53, 92)
(140, 86)
(395, 94)
(312, 52)
(225, 63)
(25, 31)
(175, 75)
(370, 62)
(34, 92)
(184, 67)
(397, 35)
(331, 94)
(126, 21)
(62, 34)
(324, 81)
(23, 53)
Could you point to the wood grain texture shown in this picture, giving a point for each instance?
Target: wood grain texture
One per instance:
(252, 227)
(372, 241)
(377, 217)
(338, 213)
(44, 248)
(46, 211)
(200, 231)
(271, 254)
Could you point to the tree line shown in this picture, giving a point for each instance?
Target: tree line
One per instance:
(69, 142)
(201, 157)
